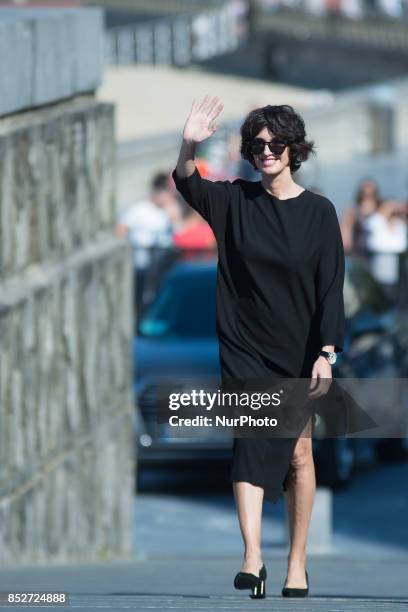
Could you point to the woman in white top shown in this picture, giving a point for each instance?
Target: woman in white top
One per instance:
(386, 240)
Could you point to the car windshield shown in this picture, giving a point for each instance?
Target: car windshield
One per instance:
(184, 308)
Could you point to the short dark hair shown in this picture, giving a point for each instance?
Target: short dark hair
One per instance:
(160, 182)
(286, 126)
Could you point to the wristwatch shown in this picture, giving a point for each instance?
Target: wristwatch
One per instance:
(330, 356)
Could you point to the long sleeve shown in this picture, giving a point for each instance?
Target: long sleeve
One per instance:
(330, 281)
(210, 198)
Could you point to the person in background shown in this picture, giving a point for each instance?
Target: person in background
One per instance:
(386, 242)
(148, 225)
(203, 167)
(195, 235)
(353, 224)
(168, 198)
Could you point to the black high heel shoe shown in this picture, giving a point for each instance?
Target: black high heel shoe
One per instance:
(295, 592)
(246, 580)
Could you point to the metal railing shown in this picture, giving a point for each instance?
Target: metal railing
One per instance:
(179, 40)
(380, 33)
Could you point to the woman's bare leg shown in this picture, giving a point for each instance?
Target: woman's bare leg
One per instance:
(249, 500)
(299, 499)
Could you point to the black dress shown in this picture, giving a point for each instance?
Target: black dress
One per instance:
(279, 296)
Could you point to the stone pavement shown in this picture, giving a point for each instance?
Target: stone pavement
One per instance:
(203, 583)
(189, 549)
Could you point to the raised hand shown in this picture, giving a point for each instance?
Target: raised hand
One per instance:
(199, 126)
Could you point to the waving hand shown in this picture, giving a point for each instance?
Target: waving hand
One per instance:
(199, 125)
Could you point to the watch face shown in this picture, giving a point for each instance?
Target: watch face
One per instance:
(332, 358)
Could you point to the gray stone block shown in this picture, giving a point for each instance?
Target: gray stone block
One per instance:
(56, 182)
(48, 54)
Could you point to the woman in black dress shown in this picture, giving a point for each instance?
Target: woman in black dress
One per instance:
(279, 303)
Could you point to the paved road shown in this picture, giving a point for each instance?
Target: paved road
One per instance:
(205, 583)
(188, 550)
(181, 514)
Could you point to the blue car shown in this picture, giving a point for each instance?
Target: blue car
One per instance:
(176, 344)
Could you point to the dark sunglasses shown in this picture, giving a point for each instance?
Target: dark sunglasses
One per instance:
(258, 147)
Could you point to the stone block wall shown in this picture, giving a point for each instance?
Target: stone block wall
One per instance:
(66, 327)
